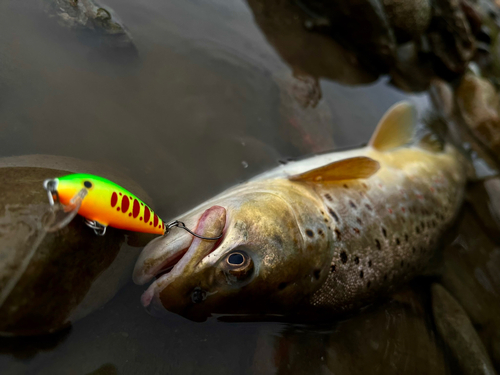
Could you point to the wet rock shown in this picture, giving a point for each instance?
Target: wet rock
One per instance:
(470, 274)
(88, 16)
(408, 18)
(458, 333)
(310, 55)
(48, 280)
(479, 105)
(450, 36)
(391, 338)
(361, 24)
(410, 72)
(443, 98)
(484, 196)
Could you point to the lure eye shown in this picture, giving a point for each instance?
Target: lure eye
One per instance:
(87, 184)
(238, 264)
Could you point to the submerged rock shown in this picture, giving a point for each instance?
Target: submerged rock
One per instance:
(470, 274)
(48, 280)
(458, 333)
(88, 16)
(391, 338)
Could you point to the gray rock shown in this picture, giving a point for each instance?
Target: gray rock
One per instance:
(458, 333)
(479, 106)
(409, 19)
(450, 36)
(48, 280)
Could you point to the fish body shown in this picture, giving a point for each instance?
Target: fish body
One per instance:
(108, 203)
(329, 232)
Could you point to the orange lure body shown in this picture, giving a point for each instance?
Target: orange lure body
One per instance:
(109, 204)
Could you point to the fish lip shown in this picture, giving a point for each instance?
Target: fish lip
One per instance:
(152, 292)
(181, 257)
(142, 273)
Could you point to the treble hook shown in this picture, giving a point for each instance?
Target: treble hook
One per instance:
(180, 224)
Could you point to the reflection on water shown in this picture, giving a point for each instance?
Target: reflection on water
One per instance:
(218, 92)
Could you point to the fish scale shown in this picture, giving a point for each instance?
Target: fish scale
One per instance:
(390, 233)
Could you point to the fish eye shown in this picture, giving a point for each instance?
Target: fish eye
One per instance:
(87, 184)
(235, 259)
(238, 264)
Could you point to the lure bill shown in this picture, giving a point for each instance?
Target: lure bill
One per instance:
(102, 203)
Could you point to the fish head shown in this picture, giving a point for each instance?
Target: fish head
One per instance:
(260, 265)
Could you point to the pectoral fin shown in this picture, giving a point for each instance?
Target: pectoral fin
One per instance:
(396, 128)
(347, 169)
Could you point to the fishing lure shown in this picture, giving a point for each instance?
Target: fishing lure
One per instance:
(103, 203)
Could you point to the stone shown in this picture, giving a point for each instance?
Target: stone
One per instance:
(49, 280)
(457, 331)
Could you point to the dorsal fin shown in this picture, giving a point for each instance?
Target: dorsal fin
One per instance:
(396, 128)
(347, 169)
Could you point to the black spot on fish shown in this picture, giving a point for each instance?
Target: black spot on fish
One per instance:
(343, 257)
(320, 232)
(361, 274)
(317, 274)
(332, 268)
(368, 206)
(397, 241)
(356, 230)
(364, 185)
(384, 232)
(334, 215)
(328, 197)
(359, 221)
(406, 237)
(309, 233)
(282, 285)
(377, 242)
(368, 284)
(351, 203)
(414, 250)
(356, 260)
(278, 239)
(369, 263)
(422, 224)
(345, 185)
(402, 263)
(417, 229)
(337, 232)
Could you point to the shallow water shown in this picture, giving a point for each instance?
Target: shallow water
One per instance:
(207, 102)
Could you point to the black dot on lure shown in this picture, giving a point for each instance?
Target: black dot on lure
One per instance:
(87, 184)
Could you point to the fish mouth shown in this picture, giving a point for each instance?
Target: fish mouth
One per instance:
(168, 257)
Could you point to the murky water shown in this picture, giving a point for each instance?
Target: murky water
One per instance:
(206, 102)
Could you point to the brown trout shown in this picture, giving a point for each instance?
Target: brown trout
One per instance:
(329, 232)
